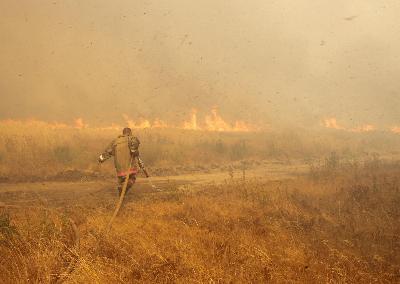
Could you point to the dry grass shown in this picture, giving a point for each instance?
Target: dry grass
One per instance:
(338, 228)
(36, 151)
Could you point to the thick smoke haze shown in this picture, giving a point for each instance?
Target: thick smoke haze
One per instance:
(272, 62)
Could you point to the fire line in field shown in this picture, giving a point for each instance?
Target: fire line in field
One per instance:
(211, 122)
(333, 124)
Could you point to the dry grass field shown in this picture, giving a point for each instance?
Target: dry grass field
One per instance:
(337, 224)
(269, 133)
(37, 150)
(278, 206)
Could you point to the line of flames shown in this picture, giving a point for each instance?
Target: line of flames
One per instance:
(212, 122)
(333, 124)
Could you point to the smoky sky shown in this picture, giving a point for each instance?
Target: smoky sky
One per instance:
(263, 61)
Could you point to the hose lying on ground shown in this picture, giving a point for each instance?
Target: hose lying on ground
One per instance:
(119, 204)
(121, 198)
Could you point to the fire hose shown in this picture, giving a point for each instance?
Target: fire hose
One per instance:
(123, 191)
(121, 198)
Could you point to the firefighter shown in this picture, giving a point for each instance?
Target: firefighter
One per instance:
(125, 149)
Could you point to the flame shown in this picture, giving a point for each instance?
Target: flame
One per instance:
(192, 123)
(215, 123)
(144, 123)
(395, 129)
(32, 122)
(113, 126)
(211, 122)
(158, 123)
(79, 124)
(241, 126)
(332, 123)
(364, 128)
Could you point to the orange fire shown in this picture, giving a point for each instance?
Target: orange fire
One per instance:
(211, 122)
(214, 122)
(80, 124)
(192, 123)
(144, 123)
(364, 128)
(333, 124)
(395, 129)
(31, 123)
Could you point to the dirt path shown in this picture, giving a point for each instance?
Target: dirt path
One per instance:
(59, 194)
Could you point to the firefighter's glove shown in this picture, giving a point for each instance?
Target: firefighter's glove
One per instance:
(101, 159)
(135, 153)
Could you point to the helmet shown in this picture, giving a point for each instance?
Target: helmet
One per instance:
(126, 131)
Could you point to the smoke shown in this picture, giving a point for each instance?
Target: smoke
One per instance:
(275, 62)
